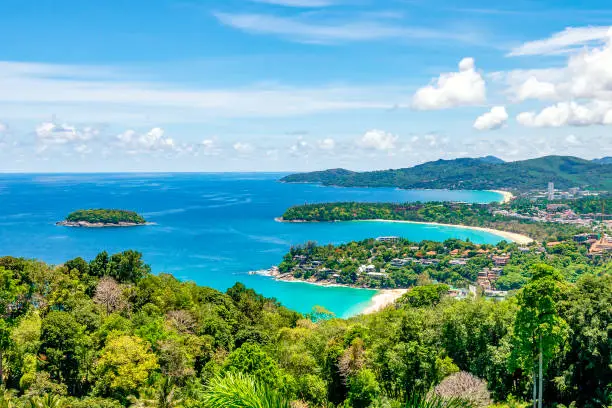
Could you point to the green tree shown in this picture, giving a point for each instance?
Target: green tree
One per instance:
(539, 331)
(61, 336)
(125, 364)
(363, 389)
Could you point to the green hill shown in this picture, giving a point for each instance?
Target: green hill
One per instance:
(467, 173)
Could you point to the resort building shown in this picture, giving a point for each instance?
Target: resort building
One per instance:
(500, 260)
(388, 239)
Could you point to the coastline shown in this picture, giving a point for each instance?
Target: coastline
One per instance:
(85, 224)
(383, 299)
(512, 236)
(508, 196)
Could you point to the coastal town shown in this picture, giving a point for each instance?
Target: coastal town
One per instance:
(559, 206)
(393, 262)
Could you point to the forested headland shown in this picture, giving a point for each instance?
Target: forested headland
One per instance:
(477, 215)
(404, 264)
(107, 333)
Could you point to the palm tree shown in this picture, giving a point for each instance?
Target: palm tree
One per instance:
(435, 401)
(165, 396)
(237, 390)
(47, 401)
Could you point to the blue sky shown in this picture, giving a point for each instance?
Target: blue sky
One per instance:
(283, 85)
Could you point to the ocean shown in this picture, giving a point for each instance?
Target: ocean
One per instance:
(208, 228)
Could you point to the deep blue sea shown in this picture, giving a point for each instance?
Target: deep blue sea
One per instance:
(209, 228)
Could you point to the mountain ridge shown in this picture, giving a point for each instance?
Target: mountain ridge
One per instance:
(473, 174)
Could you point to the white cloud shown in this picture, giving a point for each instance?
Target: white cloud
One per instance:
(590, 72)
(533, 88)
(3, 127)
(327, 144)
(88, 94)
(300, 148)
(378, 140)
(243, 147)
(208, 147)
(494, 119)
(565, 41)
(453, 89)
(152, 141)
(568, 114)
(331, 32)
(83, 149)
(53, 133)
(587, 75)
(573, 140)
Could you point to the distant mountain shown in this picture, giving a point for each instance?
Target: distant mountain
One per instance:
(603, 160)
(491, 159)
(477, 174)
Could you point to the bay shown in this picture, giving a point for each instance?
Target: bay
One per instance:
(209, 228)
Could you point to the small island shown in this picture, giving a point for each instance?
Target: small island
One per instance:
(99, 218)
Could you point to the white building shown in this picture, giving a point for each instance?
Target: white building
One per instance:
(551, 191)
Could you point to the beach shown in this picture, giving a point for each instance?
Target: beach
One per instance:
(382, 299)
(508, 196)
(511, 236)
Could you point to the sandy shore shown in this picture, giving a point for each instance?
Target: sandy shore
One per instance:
(382, 299)
(511, 236)
(508, 196)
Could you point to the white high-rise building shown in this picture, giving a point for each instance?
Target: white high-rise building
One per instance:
(551, 191)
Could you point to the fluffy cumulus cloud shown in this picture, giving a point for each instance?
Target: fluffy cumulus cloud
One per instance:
(533, 88)
(327, 144)
(300, 148)
(590, 72)
(208, 147)
(453, 89)
(494, 119)
(568, 114)
(53, 133)
(152, 141)
(243, 147)
(587, 74)
(378, 140)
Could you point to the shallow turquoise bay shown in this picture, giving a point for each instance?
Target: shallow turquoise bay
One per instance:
(209, 228)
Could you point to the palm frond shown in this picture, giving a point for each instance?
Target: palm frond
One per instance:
(237, 390)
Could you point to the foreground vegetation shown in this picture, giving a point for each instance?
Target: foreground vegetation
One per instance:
(108, 333)
(474, 174)
(104, 216)
(477, 215)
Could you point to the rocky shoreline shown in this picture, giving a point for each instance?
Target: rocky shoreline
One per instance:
(288, 277)
(85, 224)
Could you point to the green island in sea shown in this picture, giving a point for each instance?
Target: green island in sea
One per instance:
(97, 218)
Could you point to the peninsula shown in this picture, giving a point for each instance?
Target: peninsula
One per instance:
(100, 218)
(495, 218)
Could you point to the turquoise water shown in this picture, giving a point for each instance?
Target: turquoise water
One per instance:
(209, 228)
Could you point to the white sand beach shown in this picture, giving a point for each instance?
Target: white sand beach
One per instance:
(382, 299)
(511, 236)
(508, 196)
